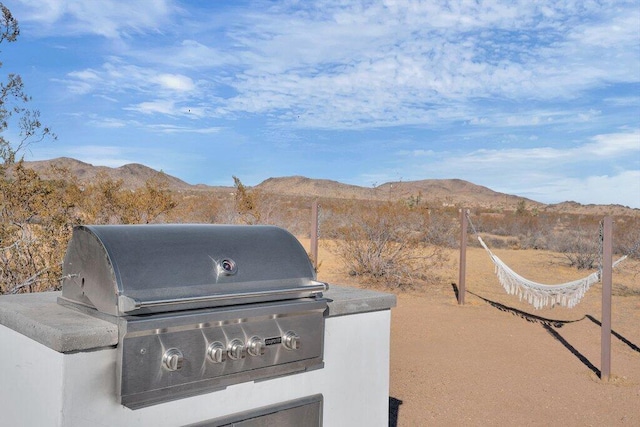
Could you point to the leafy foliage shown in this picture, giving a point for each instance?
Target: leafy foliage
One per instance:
(13, 100)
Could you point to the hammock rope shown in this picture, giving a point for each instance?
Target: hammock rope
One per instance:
(541, 295)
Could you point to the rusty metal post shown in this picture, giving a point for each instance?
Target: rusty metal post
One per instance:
(463, 256)
(314, 234)
(607, 273)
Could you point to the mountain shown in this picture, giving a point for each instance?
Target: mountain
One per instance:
(440, 192)
(133, 175)
(318, 188)
(435, 192)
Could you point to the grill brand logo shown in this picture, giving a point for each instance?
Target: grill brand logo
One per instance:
(273, 341)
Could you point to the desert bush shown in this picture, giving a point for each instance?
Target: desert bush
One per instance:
(386, 244)
(442, 229)
(197, 207)
(106, 201)
(580, 247)
(533, 240)
(246, 203)
(37, 216)
(626, 237)
(252, 206)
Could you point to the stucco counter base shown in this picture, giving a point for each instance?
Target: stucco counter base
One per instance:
(58, 369)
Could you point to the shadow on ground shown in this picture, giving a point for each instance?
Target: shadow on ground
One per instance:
(550, 324)
(519, 313)
(631, 345)
(394, 411)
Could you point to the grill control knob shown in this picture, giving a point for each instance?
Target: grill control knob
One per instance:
(291, 340)
(172, 359)
(255, 346)
(236, 349)
(216, 352)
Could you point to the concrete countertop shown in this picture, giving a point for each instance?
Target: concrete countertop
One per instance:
(39, 317)
(344, 300)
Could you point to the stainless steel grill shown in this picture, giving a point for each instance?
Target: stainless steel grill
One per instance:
(198, 307)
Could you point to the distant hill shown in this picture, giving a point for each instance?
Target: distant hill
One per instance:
(436, 192)
(440, 192)
(133, 175)
(319, 188)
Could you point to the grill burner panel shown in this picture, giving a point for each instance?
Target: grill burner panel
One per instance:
(148, 379)
(198, 307)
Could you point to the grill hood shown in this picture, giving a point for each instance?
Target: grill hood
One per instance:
(138, 269)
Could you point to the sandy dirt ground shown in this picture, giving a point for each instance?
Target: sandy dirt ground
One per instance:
(498, 361)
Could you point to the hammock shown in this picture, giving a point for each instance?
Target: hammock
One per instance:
(539, 295)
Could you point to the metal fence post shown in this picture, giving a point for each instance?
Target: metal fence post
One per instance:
(607, 273)
(314, 234)
(463, 256)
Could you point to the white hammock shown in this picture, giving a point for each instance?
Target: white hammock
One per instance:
(539, 295)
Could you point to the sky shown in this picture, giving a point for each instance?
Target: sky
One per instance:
(533, 98)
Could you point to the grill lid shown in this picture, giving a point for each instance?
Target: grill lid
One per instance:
(136, 269)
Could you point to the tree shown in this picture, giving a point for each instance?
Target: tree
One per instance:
(246, 203)
(31, 218)
(13, 100)
(36, 217)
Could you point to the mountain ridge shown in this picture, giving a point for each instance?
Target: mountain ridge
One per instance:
(437, 192)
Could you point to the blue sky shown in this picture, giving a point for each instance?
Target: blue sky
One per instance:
(538, 99)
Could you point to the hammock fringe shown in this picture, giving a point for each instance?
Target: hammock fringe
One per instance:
(539, 295)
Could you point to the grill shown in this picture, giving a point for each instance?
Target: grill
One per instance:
(198, 307)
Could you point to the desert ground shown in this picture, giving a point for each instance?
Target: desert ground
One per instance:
(498, 361)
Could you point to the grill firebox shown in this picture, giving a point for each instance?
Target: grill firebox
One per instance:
(198, 307)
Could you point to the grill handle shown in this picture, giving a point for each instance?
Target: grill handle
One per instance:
(127, 304)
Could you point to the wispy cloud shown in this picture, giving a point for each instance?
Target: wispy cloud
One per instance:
(184, 129)
(612, 145)
(593, 172)
(375, 64)
(107, 18)
(104, 155)
(116, 76)
(513, 94)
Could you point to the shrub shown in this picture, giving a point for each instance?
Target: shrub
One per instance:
(626, 237)
(387, 244)
(581, 248)
(37, 216)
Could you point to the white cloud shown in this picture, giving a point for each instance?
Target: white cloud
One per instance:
(622, 189)
(379, 64)
(606, 146)
(515, 94)
(87, 75)
(108, 18)
(187, 54)
(102, 155)
(618, 144)
(119, 81)
(183, 129)
(155, 107)
(376, 66)
(108, 123)
(175, 82)
(601, 170)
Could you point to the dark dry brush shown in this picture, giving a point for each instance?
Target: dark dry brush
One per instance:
(394, 243)
(398, 243)
(37, 217)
